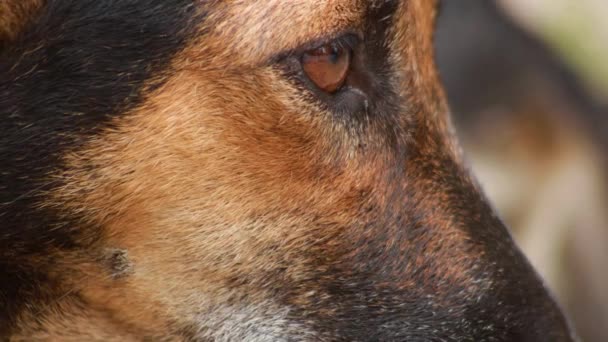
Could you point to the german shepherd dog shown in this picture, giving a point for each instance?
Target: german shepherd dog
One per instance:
(244, 171)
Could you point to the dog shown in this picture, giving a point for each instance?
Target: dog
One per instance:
(244, 171)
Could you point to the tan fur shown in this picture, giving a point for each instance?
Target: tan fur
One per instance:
(218, 184)
(15, 16)
(190, 184)
(242, 28)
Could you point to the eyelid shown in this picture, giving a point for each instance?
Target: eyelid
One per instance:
(347, 39)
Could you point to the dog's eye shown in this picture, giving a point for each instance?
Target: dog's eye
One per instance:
(327, 66)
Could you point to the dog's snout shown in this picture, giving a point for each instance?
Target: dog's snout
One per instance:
(516, 304)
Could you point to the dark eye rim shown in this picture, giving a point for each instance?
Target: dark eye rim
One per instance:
(346, 39)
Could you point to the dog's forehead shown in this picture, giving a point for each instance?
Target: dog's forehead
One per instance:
(255, 30)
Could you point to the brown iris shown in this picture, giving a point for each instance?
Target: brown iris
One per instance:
(327, 66)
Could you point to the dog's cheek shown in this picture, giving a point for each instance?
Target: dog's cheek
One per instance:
(193, 170)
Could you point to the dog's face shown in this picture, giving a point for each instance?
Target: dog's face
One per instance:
(244, 171)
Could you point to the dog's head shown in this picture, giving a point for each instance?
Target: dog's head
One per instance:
(244, 170)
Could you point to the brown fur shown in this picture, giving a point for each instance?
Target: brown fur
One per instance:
(228, 189)
(15, 16)
(148, 173)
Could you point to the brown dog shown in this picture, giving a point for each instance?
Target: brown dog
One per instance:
(243, 171)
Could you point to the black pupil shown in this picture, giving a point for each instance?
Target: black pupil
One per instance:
(336, 52)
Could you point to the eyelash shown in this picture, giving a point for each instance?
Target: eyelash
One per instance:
(347, 41)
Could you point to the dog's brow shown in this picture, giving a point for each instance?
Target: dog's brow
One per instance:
(255, 32)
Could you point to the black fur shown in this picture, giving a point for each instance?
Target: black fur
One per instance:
(363, 299)
(80, 63)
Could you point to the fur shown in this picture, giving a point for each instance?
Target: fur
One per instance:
(170, 176)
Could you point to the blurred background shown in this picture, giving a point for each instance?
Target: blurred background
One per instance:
(527, 81)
